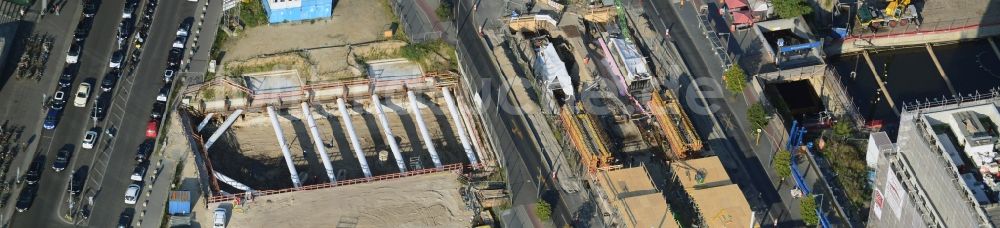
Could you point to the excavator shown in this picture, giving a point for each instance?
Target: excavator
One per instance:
(895, 13)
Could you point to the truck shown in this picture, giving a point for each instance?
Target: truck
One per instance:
(179, 208)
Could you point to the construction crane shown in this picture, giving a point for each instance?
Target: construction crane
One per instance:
(896, 12)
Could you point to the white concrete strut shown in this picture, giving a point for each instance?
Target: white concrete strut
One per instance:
(318, 142)
(457, 118)
(424, 133)
(354, 137)
(388, 134)
(222, 129)
(284, 147)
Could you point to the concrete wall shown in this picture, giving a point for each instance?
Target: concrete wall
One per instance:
(856, 45)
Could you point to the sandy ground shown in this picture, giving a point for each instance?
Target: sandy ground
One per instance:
(430, 200)
(353, 21)
(252, 155)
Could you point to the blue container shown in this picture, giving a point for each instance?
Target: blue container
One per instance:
(179, 203)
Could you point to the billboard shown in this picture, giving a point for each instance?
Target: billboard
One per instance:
(894, 193)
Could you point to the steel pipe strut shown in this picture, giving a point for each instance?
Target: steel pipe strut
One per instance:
(457, 118)
(284, 147)
(318, 142)
(231, 182)
(204, 122)
(388, 134)
(354, 138)
(222, 129)
(424, 133)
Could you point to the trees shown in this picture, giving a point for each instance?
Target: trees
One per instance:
(791, 8)
(757, 116)
(809, 215)
(735, 79)
(543, 210)
(444, 10)
(842, 129)
(783, 163)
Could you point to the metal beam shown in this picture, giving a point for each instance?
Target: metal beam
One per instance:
(231, 182)
(318, 142)
(388, 134)
(424, 133)
(284, 147)
(457, 119)
(222, 129)
(354, 137)
(204, 122)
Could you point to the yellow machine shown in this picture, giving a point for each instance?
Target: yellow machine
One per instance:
(895, 13)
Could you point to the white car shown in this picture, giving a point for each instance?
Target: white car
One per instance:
(88, 139)
(132, 194)
(82, 94)
(116, 60)
(138, 172)
(73, 55)
(180, 41)
(220, 218)
(59, 96)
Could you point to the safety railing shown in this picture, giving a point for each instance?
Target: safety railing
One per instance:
(457, 167)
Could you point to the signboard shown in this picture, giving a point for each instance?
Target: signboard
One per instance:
(894, 193)
(229, 4)
(877, 201)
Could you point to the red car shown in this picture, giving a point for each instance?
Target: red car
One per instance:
(151, 129)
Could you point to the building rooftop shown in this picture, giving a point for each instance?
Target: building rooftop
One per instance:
(924, 181)
(720, 202)
(637, 202)
(701, 173)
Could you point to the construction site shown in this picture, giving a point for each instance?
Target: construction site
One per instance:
(616, 119)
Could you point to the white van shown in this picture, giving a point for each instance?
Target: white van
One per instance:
(132, 194)
(220, 218)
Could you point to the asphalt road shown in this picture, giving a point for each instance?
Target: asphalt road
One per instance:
(50, 204)
(129, 112)
(525, 172)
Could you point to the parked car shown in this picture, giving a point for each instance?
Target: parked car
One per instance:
(82, 94)
(151, 128)
(57, 105)
(82, 29)
(51, 119)
(174, 58)
(89, 138)
(164, 92)
(139, 172)
(109, 80)
(76, 182)
(73, 55)
(157, 110)
(168, 74)
(125, 219)
(89, 9)
(59, 95)
(180, 42)
(132, 194)
(26, 198)
(34, 173)
(143, 151)
(62, 158)
(99, 110)
(116, 59)
(129, 10)
(185, 26)
(220, 218)
(66, 79)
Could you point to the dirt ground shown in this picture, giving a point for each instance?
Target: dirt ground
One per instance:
(353, 21)
(250, 152)
(430, 200)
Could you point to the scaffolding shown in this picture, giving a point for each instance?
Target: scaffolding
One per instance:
(584, 137)
(675, 125)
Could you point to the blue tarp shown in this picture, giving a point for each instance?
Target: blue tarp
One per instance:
(309, 9)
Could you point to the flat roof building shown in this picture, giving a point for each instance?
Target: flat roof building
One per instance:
(942, 171)
(635, 201)
(720, 202)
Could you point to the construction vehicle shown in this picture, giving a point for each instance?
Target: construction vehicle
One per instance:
(895, 13)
